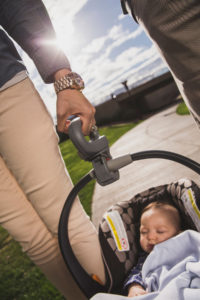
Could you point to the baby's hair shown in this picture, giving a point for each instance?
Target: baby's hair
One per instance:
(167, 207)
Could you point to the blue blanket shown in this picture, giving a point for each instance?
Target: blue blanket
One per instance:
(171, 271)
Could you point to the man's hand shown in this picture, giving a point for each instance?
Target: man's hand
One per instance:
(136, 290)
(73, 102)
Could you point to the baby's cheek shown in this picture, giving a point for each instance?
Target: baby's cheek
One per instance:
(143, 244)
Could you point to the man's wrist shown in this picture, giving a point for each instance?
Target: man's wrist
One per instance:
(66, 79)
(61, 73)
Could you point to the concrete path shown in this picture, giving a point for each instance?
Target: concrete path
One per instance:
(164, 131)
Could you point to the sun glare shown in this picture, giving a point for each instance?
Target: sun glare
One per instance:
(65, 32)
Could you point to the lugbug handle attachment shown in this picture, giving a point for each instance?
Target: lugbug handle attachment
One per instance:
(95, 150)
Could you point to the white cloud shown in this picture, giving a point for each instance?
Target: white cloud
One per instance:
(104, 69)
(124, 37)
(69, 9)
(132, 65)
(121, 17)
(115, 32)
(114, 38)
(96, 45)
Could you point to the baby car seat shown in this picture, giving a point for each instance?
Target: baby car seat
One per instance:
(119, 229)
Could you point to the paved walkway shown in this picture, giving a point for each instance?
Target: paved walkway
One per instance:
(164, 131)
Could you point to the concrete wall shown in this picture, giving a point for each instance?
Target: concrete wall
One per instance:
(109, 110)
(161, 97)
(147, 98)
(114, 111)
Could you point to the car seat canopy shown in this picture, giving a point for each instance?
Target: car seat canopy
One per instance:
(119, 229)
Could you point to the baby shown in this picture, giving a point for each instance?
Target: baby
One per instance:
(159, 222)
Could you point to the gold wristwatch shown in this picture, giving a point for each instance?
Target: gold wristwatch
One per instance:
(71, 80)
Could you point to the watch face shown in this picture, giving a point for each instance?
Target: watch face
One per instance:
(78, 82)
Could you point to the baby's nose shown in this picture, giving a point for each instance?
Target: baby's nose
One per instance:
(152, 237)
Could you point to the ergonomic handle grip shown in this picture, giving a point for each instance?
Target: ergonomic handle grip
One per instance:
(88, 150)
(95, 150)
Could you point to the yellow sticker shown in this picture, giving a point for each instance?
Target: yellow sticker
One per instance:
(191, 207)
(118, 230)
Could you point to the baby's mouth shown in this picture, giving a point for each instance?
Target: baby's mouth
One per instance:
(150, 247)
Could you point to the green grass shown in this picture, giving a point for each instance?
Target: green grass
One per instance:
(182, 109)
(20, 279)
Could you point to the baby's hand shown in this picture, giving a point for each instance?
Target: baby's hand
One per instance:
(136, 290)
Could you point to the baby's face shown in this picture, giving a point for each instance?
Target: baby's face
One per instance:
(156, 227)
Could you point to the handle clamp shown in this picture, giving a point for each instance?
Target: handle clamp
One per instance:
(96, 150)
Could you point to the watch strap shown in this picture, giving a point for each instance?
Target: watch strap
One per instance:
(70, 81)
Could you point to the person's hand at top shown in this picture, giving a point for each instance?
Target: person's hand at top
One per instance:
(72, 102)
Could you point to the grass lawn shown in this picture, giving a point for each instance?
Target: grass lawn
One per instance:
(20, 279)
(182, 109)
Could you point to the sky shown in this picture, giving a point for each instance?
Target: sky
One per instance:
(104, 46)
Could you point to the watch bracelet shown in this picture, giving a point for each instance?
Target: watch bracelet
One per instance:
(62, 84)
(66, 82)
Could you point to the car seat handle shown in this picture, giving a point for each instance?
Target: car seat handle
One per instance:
(87, 149)
(96, 150)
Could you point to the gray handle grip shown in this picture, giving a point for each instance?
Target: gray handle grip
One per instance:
(96, 150)
(87, 149)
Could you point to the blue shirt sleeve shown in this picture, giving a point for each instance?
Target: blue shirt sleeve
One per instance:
(135, 275)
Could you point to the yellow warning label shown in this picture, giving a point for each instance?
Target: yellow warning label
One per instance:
(118, 230)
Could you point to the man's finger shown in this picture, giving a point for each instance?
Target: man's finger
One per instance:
(87, 124)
